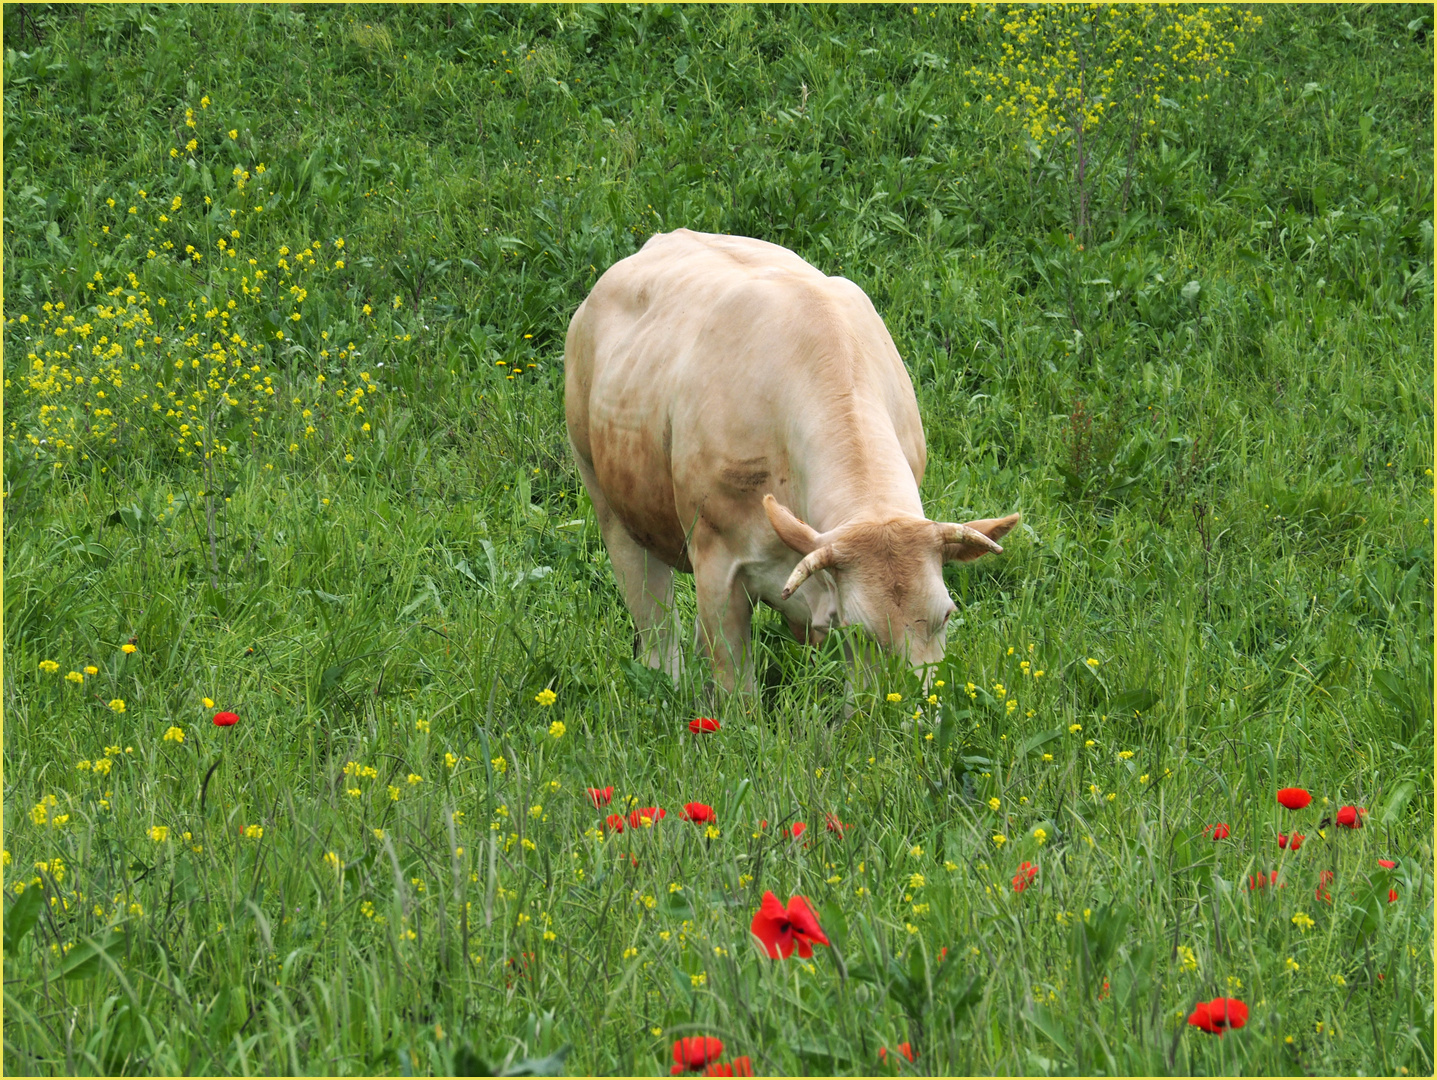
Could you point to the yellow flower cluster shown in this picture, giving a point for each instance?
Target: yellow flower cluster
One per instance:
(184, 369)
(42, 813)
(1075, 68)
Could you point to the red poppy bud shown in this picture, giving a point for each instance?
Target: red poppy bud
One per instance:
(1024, 877)
(615, 822)
(1294, 798)
(225, 719)
(703, 723)
(699, 813)
(600, 796)
(1350, 817)
(694, 1052)
(1218, 831)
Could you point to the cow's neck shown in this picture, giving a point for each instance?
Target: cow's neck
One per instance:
(858, 475)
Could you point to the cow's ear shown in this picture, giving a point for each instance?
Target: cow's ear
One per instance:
(798, 535)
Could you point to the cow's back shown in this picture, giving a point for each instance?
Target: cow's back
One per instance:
(699, 368)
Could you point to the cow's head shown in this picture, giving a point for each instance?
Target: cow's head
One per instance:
(890, 573)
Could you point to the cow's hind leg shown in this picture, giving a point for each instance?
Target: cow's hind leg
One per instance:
(646, 582)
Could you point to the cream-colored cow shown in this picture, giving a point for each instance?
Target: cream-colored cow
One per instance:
(736, 414)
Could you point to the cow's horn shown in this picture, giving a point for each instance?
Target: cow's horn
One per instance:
(791, 529)
(819, 559)
(966, 542)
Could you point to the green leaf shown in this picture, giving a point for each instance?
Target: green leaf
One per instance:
(818, 1052)
(1133, 701)
(83, 961)
(1397, 802)
(553, 1065)
(1193, 853)
(735, 801)
(1041, 739)
(1097, 938)
(20, 917)
(1042, 1019)
(355, 870)
(647, 683)
(1370, 909)
(677, 905)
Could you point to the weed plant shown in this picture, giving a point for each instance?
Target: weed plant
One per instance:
(286, 289)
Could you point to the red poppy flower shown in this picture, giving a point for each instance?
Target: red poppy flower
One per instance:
(226, 719)
(694, 1052)
(1350, 817)
(1105, 992)
(1024, 877)
(797, 829)
(615, 822)
(600, 796)
(1324, 879)
(703, 723)
(1261, 880)
(1292, 843)
(1294, 798)
(653, 813)
(903, 1048)
(1387, 864)
(1218, 831)
(943, 954)
(739, 1066)
(833, 825)
(1392, 896)
(781, 930)
(1218, 1015)
(699, 813)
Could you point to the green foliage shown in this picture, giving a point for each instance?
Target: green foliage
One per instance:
(361, 531)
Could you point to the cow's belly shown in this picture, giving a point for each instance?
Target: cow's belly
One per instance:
(631, 463)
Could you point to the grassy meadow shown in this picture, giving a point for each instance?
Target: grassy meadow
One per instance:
(285, 296)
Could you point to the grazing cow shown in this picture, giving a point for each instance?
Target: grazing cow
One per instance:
(736, 414)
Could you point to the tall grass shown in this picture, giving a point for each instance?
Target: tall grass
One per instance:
(1210, 394)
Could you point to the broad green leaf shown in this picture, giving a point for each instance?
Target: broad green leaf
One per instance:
(20, 917)
(1397, 802)
(1133, 701)
(1039, 740)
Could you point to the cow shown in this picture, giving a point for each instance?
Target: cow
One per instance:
(736, 414)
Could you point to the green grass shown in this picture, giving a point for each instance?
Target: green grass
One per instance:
(1215, 415)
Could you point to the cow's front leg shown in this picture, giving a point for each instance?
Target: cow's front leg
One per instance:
(724, 627)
